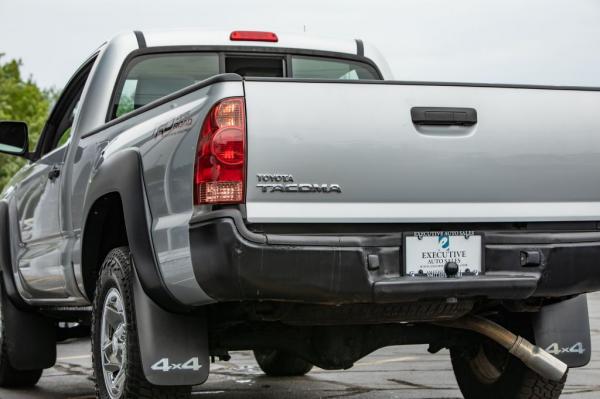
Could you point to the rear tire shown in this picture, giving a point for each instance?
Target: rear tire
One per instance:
(276, 363)
(9, 376)
(487, 370)
(115, 349)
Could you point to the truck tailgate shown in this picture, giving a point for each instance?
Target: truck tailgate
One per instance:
(533, 155)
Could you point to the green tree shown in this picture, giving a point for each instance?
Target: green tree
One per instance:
(21, 100)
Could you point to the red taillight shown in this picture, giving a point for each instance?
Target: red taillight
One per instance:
(253, 36)
(221, 155)
(228, 146)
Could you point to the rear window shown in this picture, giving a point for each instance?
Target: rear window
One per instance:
(149, 78)
(326, 68)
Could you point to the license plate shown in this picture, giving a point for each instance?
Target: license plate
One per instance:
(426, 253)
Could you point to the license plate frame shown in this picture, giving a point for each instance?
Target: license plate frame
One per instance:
(478, 237)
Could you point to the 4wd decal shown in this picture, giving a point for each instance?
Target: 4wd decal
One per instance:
(163, 364)
(173, 126)
(556, 349)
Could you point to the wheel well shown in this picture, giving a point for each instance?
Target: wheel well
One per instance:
(104, 230)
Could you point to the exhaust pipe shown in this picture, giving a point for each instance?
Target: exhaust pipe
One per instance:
(531, 355)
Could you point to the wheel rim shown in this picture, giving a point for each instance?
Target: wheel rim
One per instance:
(113, 338)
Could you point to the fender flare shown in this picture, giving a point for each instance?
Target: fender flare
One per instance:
(122, 173)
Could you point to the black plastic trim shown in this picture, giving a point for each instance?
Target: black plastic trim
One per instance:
(443, 116)
(351, 240)
(122, 174)
(226, 77)
(230, 268)
(236, 216)
(141, 40)
(360, 48)
(232, 263)
(491, 285)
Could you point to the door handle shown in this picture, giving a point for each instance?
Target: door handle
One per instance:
(443, 116)
(54, 173)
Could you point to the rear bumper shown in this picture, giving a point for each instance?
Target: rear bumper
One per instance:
(232, 263)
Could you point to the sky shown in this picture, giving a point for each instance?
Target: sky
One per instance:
(490, 41)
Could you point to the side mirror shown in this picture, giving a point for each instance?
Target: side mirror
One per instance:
(14, 138)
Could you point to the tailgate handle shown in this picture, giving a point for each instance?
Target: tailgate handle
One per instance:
(444, 116)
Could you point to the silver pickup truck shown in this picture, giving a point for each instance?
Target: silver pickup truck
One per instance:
(196, 192)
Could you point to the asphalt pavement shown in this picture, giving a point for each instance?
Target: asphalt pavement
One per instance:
(394, 372)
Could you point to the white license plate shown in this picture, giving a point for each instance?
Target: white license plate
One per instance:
(427, 253)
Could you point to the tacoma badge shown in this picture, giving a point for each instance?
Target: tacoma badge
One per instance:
(284, 183)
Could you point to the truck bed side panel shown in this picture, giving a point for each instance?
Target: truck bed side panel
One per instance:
(166, 138)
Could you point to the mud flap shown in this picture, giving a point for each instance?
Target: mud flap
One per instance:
(30, 338)
(173, 347)
(563, 329)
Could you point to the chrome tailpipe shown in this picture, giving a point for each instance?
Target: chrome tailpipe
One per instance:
(531, 355)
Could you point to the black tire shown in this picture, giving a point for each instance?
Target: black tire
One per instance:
(276, 363)
(486, 370)
(10, 377)
(116, 274)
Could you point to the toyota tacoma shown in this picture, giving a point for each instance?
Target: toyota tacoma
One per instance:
(195, 193)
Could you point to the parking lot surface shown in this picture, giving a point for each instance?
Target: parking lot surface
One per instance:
(395, 372)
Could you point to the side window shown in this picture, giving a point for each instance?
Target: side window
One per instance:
(58, 129)
(150, 77)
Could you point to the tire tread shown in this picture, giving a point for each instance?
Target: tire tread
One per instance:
(519, 383)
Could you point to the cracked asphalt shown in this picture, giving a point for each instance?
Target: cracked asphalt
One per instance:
(395, 372)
